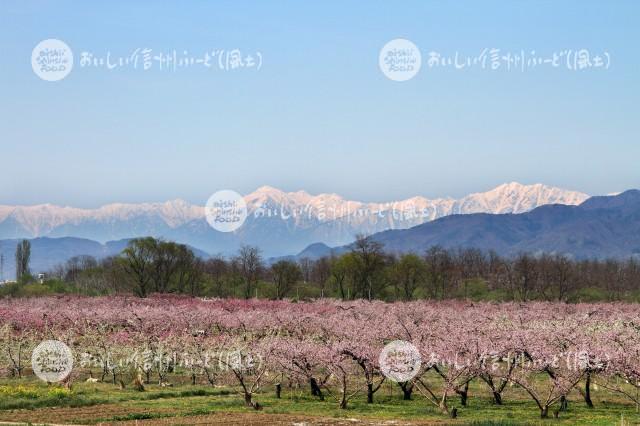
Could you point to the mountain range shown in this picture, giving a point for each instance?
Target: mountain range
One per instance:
(279, 222)
(513, 218)
(600, 227)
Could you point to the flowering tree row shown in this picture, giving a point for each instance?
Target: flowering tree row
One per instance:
(333, 348)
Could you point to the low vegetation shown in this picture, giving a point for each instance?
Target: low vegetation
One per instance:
(149, 265)
(92, 403)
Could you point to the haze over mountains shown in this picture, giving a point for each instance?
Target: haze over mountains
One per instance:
(278, 222)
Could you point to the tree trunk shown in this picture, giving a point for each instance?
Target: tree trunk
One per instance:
(249, 402)
(544, 412)
(343, 400)
(369, 393)
(564, 404)
(464, 394)
(496, 391)
(315, 389)
(278, 390)
(587, 390)
(407, 390)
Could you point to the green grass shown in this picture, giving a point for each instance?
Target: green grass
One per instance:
(32, 394)
(186, 400)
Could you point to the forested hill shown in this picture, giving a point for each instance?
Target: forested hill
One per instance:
(601, 227)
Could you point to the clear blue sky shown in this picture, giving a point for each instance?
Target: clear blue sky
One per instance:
(319, 115)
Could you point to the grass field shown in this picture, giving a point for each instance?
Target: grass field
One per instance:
(30, 400)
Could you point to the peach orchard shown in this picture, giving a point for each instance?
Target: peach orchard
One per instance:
(332, 348)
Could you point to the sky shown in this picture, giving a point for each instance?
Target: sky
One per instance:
(318, 114)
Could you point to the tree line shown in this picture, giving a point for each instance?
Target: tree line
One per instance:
(366, 271)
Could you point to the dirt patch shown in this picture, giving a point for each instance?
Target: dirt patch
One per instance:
(263, 419)
(90, 414)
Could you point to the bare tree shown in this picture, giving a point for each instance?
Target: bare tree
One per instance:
(218, 269)
(321, 273)
(409, 272)
(305, 267)
(526, 275)
(370, 260)
(439, 271)
(250, 264)
(284, 274)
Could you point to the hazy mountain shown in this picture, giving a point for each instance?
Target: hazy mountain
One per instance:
(600, 227)
(47, 253)
(106, 223)
(315, 251)
(278, 222)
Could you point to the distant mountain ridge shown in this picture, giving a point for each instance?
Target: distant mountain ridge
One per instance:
(46, 253)
(279, 222)
(601, 227)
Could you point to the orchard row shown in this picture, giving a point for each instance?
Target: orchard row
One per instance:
(334, 347)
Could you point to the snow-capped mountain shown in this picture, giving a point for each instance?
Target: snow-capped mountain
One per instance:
(600, 228)
(279, 222)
